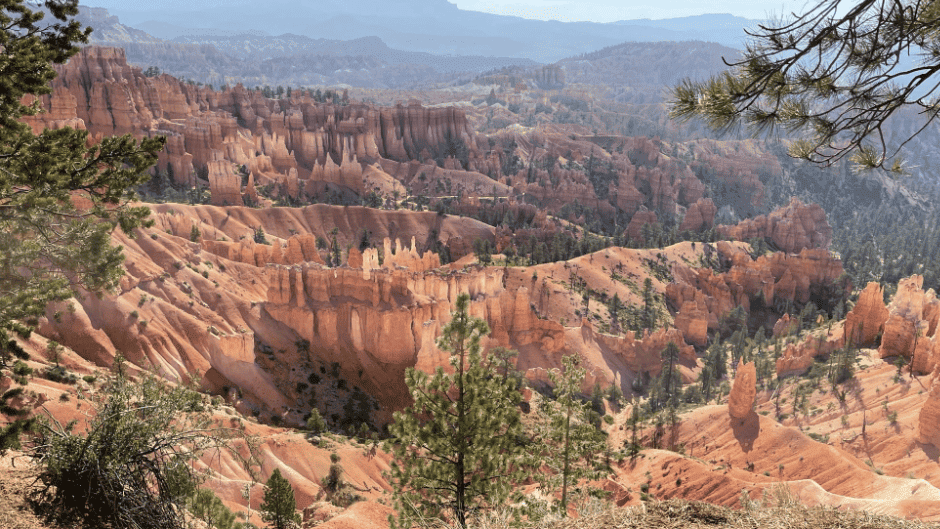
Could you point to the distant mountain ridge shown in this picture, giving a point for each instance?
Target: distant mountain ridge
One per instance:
(430, 26)
(255, 59)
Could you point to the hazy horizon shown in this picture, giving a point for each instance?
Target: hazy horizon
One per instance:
(615, 10)
(602, 11)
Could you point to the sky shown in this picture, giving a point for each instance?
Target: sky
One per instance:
(613, 10)
(575, 10)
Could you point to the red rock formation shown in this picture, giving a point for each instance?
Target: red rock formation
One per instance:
(785, 326)
(741, 398)
(635, 228)
(324, 143)
(692, 322)
(699, 216)
(775, 276)
(400, 257)
(928, 430)
(911, 325)
(866, 321)
(224, 183)
(797, 358)
(299, 249)
(792, 228)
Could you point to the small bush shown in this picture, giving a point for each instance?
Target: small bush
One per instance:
(315, 422)
(59, 374)
(21, 369)
(90, 379)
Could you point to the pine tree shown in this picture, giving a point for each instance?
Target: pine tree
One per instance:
(576, 441)
(206, 506)
(458, 446)
(277, 505)
(667, 387)
(48, 246)
(836, 72)
(650, 312)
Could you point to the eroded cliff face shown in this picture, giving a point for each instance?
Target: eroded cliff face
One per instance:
(296, 145)
(237, 142)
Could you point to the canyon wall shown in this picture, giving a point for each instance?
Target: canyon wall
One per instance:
(211, 134)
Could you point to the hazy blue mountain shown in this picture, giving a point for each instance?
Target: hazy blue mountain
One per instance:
(221, 57)
(430, 26)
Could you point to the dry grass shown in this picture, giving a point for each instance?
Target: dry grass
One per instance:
(776, 510)
(676, 514)
(15, 484)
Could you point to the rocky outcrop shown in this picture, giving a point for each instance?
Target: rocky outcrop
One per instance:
(785, 326)
(797, 358)
(928, 428)
(792, 228)
(910, 330)
(324, 143)
(399, 257)
(298, 249)
(743, 391)
(224, 184)
(866, 321)
(635, 228)
(692, 322)
(379, 322)
(700, 215)
(778, 276)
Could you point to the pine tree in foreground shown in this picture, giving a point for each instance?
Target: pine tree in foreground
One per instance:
(278, 507)
(457, 448)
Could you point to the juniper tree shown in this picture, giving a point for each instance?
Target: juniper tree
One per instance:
(458, 446)
(278, 507)
(839, 70)
(48, 245)
(575, 441)
(132, 464)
